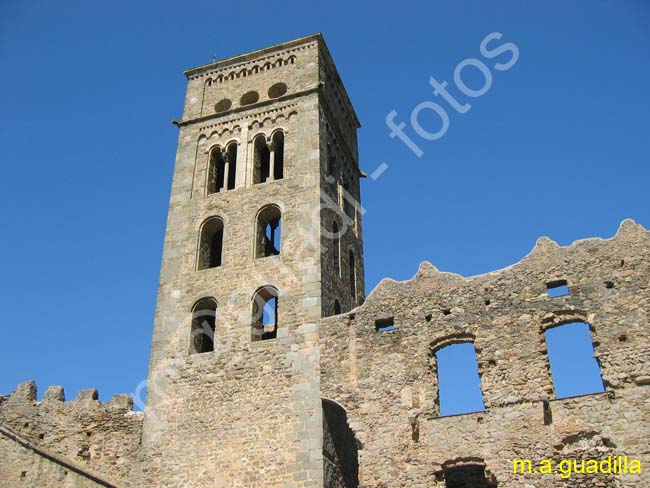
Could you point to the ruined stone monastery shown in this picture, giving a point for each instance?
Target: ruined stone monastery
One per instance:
(270, 368)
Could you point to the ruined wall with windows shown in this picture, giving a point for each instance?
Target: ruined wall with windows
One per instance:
(379, 362)
(270, 368)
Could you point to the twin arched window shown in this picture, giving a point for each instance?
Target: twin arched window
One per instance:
(268, 158)
(222, 170)
(268, 163)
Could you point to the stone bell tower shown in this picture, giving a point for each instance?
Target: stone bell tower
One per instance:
(263, 239)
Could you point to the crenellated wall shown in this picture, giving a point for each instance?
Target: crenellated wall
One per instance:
(60, 436)
(387, 380)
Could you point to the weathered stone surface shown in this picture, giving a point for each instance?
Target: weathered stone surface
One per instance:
(330, 401)
(387, 381)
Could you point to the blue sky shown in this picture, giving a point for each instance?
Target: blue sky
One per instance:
(558, 146)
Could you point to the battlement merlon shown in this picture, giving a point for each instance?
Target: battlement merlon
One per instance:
(97, 437)
(25, 393)
(233, 65)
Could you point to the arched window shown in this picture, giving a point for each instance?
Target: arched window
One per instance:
(353, 276)
(574, 369)
(337, 307)
(211, 243)
(336, 247)
(222, 171)
(204, 315)
(216, 171)
(265, 314)
(269, 230)
(231, 165)
(459, 385)
(268, 159)
(261, 160)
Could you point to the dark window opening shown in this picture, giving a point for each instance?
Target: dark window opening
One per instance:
(211, 244)
(337, 307)
(277, 144)
(262, 160)
(231, 158)
(265, 314)
(216, 171)
(459, 385)
(558, 288)
(467, 476)
(574, 369)
(384, 324)
(336, 244)
(204, 316)
(269, 230)
(353, 277)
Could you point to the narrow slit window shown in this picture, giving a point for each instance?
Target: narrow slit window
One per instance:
(353, 276)
(558, 288)
(336, 248)
(277, 156)
(459, 385)
(231, 166)
(216, 171)
(261, 160)
(574, 369)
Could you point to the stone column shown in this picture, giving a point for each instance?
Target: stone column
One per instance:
(226, 169)
(271, 161)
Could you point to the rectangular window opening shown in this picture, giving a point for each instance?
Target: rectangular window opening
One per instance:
(558, 288)
(385, 324)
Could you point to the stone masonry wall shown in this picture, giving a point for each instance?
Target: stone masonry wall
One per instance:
(25, 468)
(388, 385)
(249, 412)
(104, 437)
